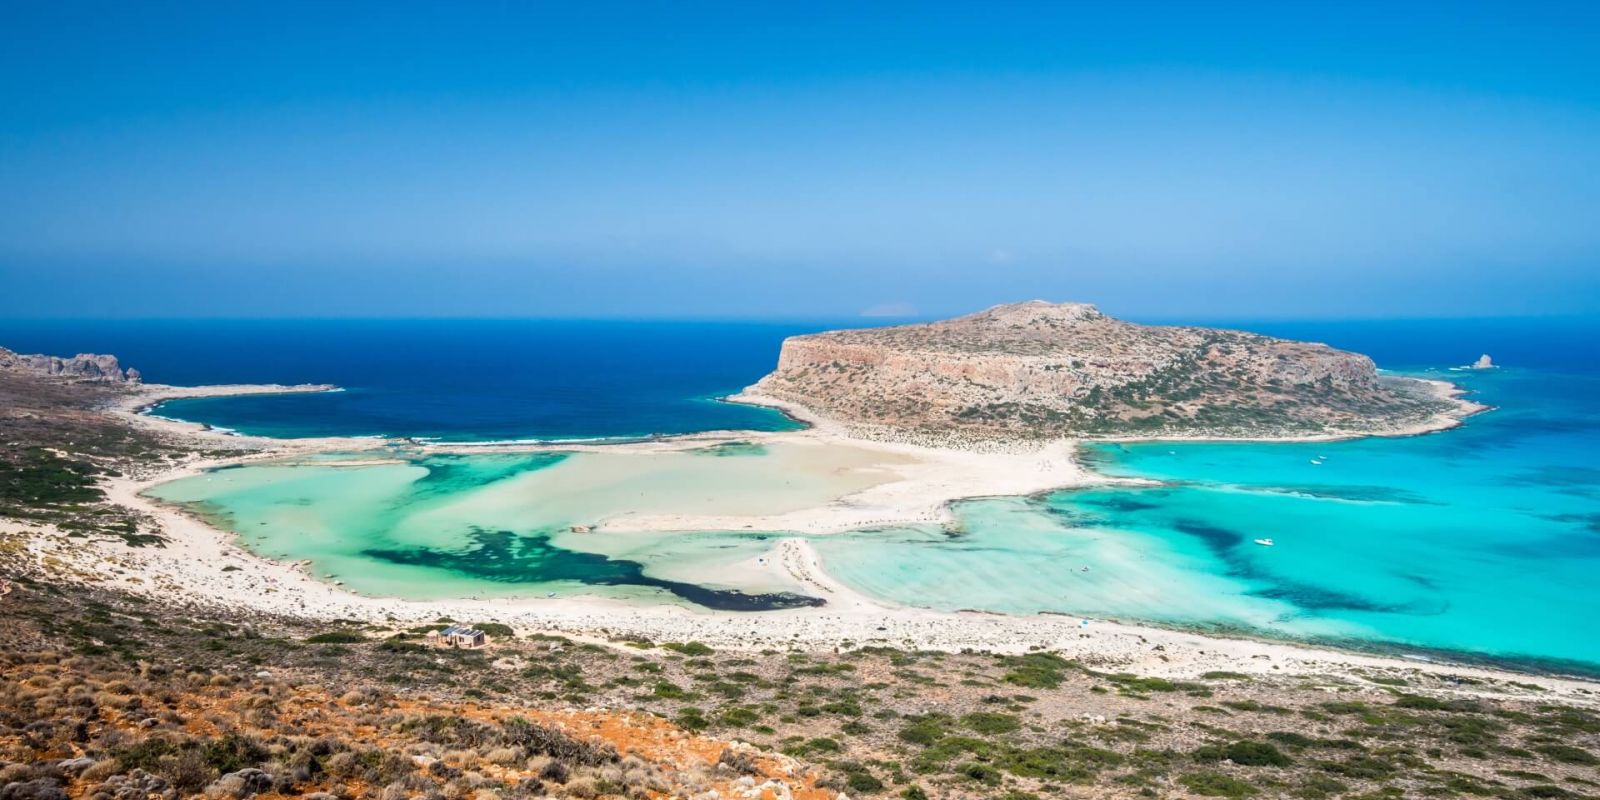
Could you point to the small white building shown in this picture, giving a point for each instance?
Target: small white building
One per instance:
(458, 637)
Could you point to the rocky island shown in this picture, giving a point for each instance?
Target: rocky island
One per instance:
(1039, 370)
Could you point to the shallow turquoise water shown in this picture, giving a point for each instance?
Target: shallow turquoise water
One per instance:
(498, 525)
(1484, 539)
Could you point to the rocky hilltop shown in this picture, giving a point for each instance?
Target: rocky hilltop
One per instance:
(83, 366)
(1044, 370)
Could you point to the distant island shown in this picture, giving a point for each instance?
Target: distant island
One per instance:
(1039, 370)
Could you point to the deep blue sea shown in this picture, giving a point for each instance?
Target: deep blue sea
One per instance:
(1484, 540)
(464, 380)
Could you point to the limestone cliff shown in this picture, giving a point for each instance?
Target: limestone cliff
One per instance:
(1038, 369)
(84, 366)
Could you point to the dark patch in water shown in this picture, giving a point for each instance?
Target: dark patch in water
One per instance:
(1590, 523)
(1422, 581)
(448, 472)
(1225, 543)
(1317, 598)
(1358, 493)
(1118, 502)
(1220, 540)
(730, 449)
(1072, 517)
(1577, 481)
(506, 557)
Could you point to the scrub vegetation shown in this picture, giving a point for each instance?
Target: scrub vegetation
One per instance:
(104, 694)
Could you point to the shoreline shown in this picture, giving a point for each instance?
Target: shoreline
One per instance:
(1461, 409)
(205, 568)
(190, 569)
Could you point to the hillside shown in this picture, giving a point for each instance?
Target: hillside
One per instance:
(1044, 370)
(106, 696)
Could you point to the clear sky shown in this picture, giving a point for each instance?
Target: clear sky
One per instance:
(749, 159)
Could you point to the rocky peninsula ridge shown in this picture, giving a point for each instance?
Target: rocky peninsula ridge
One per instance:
(83, 366)
(1039, 370)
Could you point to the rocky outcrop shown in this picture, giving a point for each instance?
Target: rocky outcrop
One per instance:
(1040, 369)
(1483, 362)
(84, 366)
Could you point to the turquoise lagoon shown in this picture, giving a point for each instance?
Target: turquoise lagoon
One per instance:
(497, 525)
(1482, 541)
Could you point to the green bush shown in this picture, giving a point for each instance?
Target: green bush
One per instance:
(1036, 670)
(1546, 790)
(669, 690)
(233, 752)
(693, 719)
(990, 722)
(1216, 784)
(739, 716)
(982, 773)
(1244, 753)
(1567, 754)
(336, 637)
(863, 782)
(925, 730)
(689, 648)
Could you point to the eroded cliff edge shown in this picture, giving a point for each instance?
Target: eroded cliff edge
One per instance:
(1047, 370)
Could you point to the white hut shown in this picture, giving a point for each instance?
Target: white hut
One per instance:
(458, 637)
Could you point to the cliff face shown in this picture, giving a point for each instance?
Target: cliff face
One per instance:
(1039, 369)
(84, 366)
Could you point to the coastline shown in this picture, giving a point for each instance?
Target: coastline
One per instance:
(1460, 408)
(206, 567)
(207, 570)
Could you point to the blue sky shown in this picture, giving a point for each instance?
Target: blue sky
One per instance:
(750, 160)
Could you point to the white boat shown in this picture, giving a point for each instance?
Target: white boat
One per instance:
(1264, 542)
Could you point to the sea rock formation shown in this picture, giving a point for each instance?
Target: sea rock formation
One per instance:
(1483, 362)
(83, 366)
(1038, 369)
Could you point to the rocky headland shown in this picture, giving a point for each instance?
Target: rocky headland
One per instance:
(1039, 370)
(83, 366)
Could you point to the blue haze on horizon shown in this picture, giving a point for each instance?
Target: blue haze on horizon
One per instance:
(1252, 160)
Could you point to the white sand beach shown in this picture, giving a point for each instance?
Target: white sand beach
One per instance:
(205, 568)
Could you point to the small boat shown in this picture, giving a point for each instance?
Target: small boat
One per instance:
(1264, 542)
